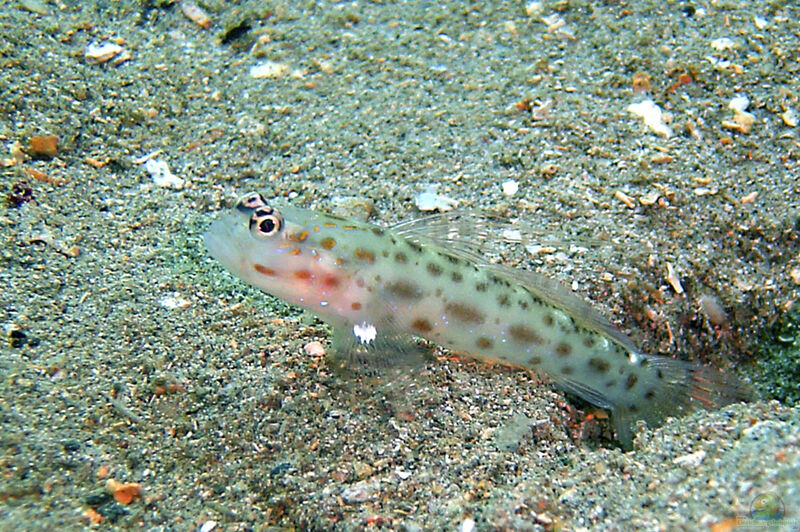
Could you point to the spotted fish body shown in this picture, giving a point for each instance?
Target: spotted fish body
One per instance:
(369, 281)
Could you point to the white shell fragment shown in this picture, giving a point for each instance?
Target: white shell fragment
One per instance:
(722, 44)
(429, 200)
(672, 279)
(739, 104)
(174, 302)
(510, 187)
(100, 53)
(269, 69)
(208, 526)
(161, 174)
(652, 115)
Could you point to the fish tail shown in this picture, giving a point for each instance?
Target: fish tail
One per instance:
(671, 388)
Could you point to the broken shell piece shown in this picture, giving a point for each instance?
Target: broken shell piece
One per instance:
(795, 275)
(429, 200)
(624, 198)
(269, 69)
(652, 115)
(161, 174)
(650, 199)
(100, 53)
(742, 122)
(789, 117)
(196, 14)
(722, 44)
(739, 104)
(672, 279)
(510, 187)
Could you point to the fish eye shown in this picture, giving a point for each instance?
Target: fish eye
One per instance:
(249, 202)
(265, 222)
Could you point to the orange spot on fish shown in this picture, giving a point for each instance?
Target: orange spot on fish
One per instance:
(298, 237)
(365, 255)
(303, 275)
(330, 281)
(295, 251)
(263, 270)
(328, 243)
(355, 305)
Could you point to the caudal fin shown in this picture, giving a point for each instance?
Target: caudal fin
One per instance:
(674, 388)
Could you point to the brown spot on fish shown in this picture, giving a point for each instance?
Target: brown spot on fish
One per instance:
(464, 313)
(650, 395)
(660, 374)
(330, 281)
(523, 304)
(483, 343)
(364, 255)
(421, 325)
(563, 349)
(451, 259)
(303, 275)
(456, 277)
(611, 383)
(355, 305)
(327, 243)
(589, 341)
(404, 289)
(434, 269)
(415, 247)
(598, 364)
(631, 381)
(524, 335)
(263, 270)
(503, 300)
(548, 320)
(567, 370)
(535, 361)
(499, 280)
(400, 257)
(377, 231)
(481, 287)
(360, 282)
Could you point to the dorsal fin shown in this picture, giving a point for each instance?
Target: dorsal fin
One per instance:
(471, 235)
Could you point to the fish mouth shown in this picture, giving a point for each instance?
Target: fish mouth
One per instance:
(224, 240)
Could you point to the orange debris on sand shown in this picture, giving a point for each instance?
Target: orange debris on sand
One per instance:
(44, 146)
(123, 493)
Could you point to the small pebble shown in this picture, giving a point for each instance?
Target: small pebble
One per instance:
(315, 349)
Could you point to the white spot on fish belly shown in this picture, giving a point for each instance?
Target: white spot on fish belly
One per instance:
(366, 332)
